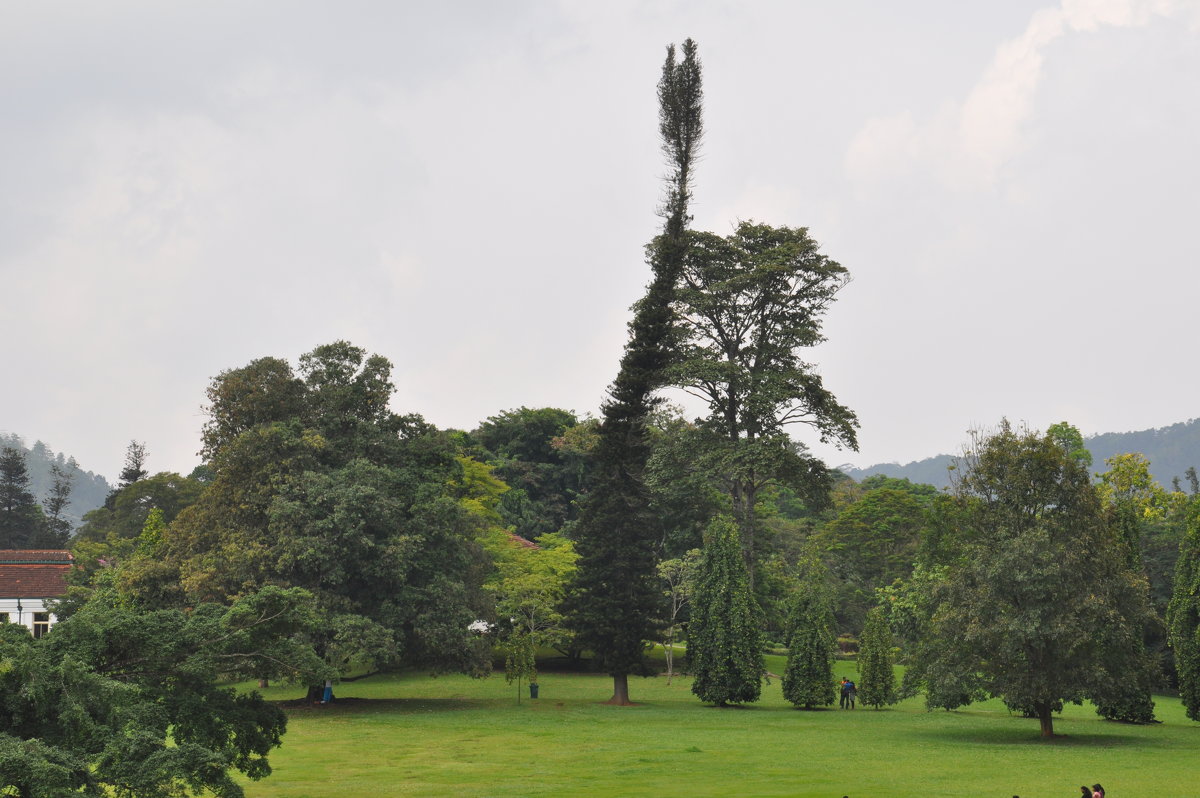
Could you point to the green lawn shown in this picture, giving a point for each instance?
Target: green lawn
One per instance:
(456, 736)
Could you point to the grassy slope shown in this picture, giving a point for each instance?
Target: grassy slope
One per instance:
(455, 736)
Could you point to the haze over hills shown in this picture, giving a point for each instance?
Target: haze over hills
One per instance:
(1171, 451)
(88, 490)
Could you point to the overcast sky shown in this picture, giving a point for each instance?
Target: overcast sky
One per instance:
(466, 189)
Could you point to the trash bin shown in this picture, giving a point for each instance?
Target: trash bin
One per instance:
(533, 688)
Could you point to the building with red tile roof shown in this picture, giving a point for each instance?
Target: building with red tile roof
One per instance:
(28, 579)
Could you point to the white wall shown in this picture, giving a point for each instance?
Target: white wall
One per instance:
(25, 616)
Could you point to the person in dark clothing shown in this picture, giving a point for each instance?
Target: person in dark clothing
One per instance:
(845, 694)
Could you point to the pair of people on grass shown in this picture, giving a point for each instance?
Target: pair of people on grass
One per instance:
(848, 692)
(1095, 792)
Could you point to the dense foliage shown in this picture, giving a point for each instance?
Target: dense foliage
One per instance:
(545, 482)
(1039, 604)
(316, 483)
(126, 702)
(724, 636)
(22, 522)
(747, 306)
(1183, 620)
(878, 679)
(808, 678)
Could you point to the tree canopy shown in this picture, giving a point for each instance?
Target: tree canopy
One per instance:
(747, 307)
(1039, 605)
(318, 484)
(124, 701)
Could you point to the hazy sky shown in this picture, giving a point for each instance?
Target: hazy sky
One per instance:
(466, 188)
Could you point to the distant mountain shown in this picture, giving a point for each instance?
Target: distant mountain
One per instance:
(88, 490)
(1170, 450)
(930, 471)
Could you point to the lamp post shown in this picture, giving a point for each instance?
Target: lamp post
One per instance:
(19, 610)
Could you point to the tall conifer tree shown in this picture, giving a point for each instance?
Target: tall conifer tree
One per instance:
(1183, 620)
(878, 686)
(616, 594)
(21, 519)
(808, 680)
(724, 637)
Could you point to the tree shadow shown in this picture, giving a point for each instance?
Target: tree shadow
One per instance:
(398, 706)
(1031, 737)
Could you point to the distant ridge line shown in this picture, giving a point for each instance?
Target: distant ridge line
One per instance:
(1171, 450)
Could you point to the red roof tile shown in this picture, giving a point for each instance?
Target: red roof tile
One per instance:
(33, 573)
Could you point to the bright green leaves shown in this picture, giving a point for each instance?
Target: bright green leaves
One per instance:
(878, 687)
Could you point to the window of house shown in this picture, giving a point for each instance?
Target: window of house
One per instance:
(3, 617)
(41, 623)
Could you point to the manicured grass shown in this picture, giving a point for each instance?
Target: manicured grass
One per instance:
(455, 736)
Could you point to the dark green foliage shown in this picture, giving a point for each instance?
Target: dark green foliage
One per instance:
(54, 505)
(808, 680)
(724, 641)
(123, 702)
(684, 495)
(544, 482)
(1131, 498)
(263, 392)
(878, 687)
(22, 524)
(124, 516)
(133, 471)
(1039, 602)
(615, 595)
(748, 305)
(919, 490)
(135, 464)
(317, 484)
(1125, 696)
(870, 544)
(1183, 620)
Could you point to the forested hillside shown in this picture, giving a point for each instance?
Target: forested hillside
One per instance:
(88, 489)
(1171, 451)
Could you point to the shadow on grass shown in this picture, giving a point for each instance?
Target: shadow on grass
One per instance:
(396, 706)
(1020, 736)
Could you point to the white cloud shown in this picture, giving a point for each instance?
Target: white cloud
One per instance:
(968, 143)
